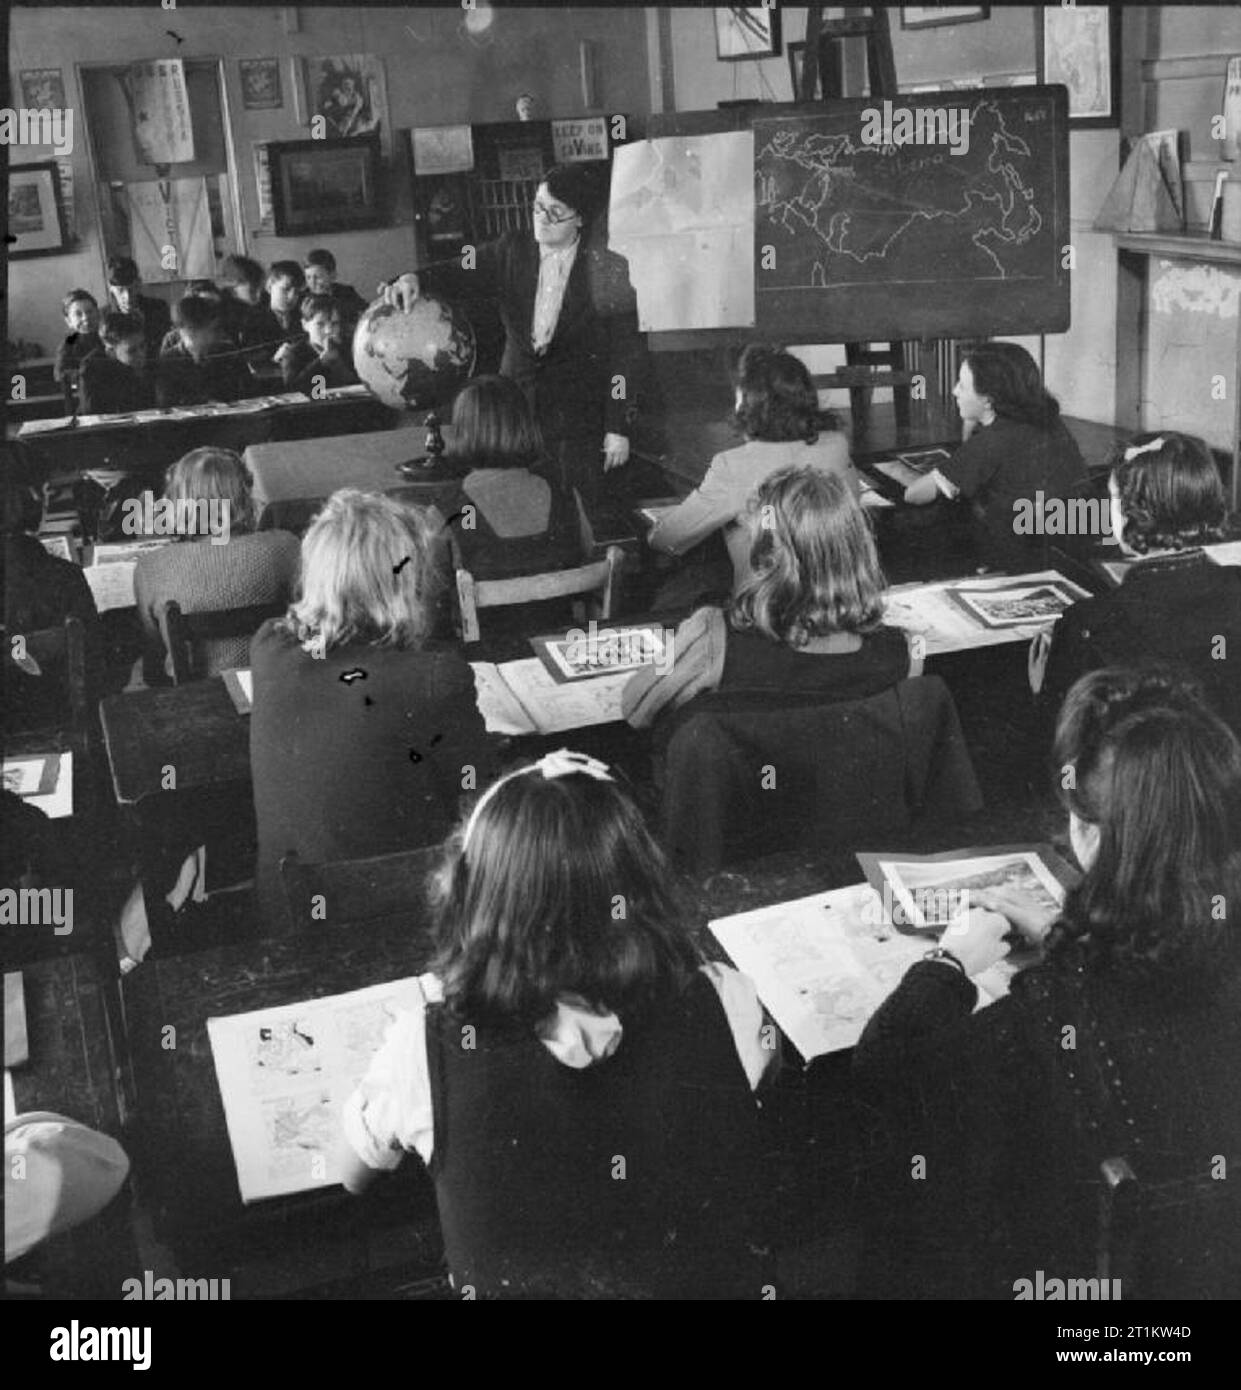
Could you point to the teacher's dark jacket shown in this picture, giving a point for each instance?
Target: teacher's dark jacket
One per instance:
(596, 340)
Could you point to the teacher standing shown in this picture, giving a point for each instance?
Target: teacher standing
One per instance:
(570, 321)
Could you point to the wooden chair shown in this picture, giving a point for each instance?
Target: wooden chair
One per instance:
(356, 890)
(184, 633)
(847, 773)
(1167, 1240)
(598, 577)
(62, 649)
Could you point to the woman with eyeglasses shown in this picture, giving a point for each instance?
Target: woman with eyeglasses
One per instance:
(570, 324)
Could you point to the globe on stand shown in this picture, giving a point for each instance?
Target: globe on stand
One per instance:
(413, 360)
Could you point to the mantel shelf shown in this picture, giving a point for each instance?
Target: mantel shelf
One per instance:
(1180, 246)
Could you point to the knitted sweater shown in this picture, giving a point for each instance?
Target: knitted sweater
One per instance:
(249, 569)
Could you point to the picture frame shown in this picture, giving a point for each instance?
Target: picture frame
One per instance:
(1079, 46)
(42, 89)
(261, 88)
(744, 32)
(348, 91)
(36, 211)
(935, 16)
(326, 185)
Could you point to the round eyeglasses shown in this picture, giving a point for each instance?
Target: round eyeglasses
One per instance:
(554, 215)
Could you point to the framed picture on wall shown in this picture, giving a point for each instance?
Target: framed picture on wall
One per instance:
(325, 185)
(36, 214)
(1080, 46)
(932, 16)
(43, 89)
(260, 84)
(348, 92)
(746, 32)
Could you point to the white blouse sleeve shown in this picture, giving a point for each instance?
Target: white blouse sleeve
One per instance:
(390, 1114)
(757, 1042)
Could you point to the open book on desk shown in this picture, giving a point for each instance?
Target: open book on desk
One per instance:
(521, 697)
(284, 1074)
(958, 614)
(822, 965)
(110, 573)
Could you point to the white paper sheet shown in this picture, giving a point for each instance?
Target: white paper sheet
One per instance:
(520, 697)
(59, 801)
(284, 1074)
(682, 213)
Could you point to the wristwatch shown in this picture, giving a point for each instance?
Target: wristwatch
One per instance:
(939, 953)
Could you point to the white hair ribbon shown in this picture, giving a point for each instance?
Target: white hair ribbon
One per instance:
(1134, 450)
(562, 763)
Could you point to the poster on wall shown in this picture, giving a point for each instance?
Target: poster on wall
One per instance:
(171, 213)
(262, 185)
(442, 149)
(348, 93)
(160, 106)
(577, 141)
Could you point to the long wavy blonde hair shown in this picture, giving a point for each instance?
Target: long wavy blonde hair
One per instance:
(814, 569)
(370, 573)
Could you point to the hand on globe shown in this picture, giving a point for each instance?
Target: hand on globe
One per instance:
(401, 293)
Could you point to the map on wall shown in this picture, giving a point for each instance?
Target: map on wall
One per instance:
(945, 215)
(924, 222)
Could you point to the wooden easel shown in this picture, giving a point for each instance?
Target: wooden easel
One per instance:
(866, 368)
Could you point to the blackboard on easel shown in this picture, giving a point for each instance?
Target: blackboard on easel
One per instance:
(873, 241)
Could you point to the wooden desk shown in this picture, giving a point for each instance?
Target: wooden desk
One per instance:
(192, 728)
(74, 1061)
(153, 445)
(293, 479)
(182, 1154)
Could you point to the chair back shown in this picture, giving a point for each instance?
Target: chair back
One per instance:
(60, 650)
(184, 634)
(597, 578)
(751, 772)
(357, 890)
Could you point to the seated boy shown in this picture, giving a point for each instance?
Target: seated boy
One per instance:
(321, 279)
(81, 312)
(202, 366)
(124, 283)
(257, 329)
(320, 359)
(285, 288)
(118, 380)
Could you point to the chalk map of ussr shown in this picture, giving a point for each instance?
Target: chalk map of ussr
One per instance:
(916, 223)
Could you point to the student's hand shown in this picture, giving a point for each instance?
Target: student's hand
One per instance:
(1030, 917)
(402, 293)
(283, 354)
(615, 451)
(1036, 660)
(977, 940)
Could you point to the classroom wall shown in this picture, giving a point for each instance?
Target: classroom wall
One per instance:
(436, 74)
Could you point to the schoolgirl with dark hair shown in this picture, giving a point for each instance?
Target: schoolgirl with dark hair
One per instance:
(1016, 453)
(1122, 1040)
(778, 409)
(568, 1019)
(1174, 605)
